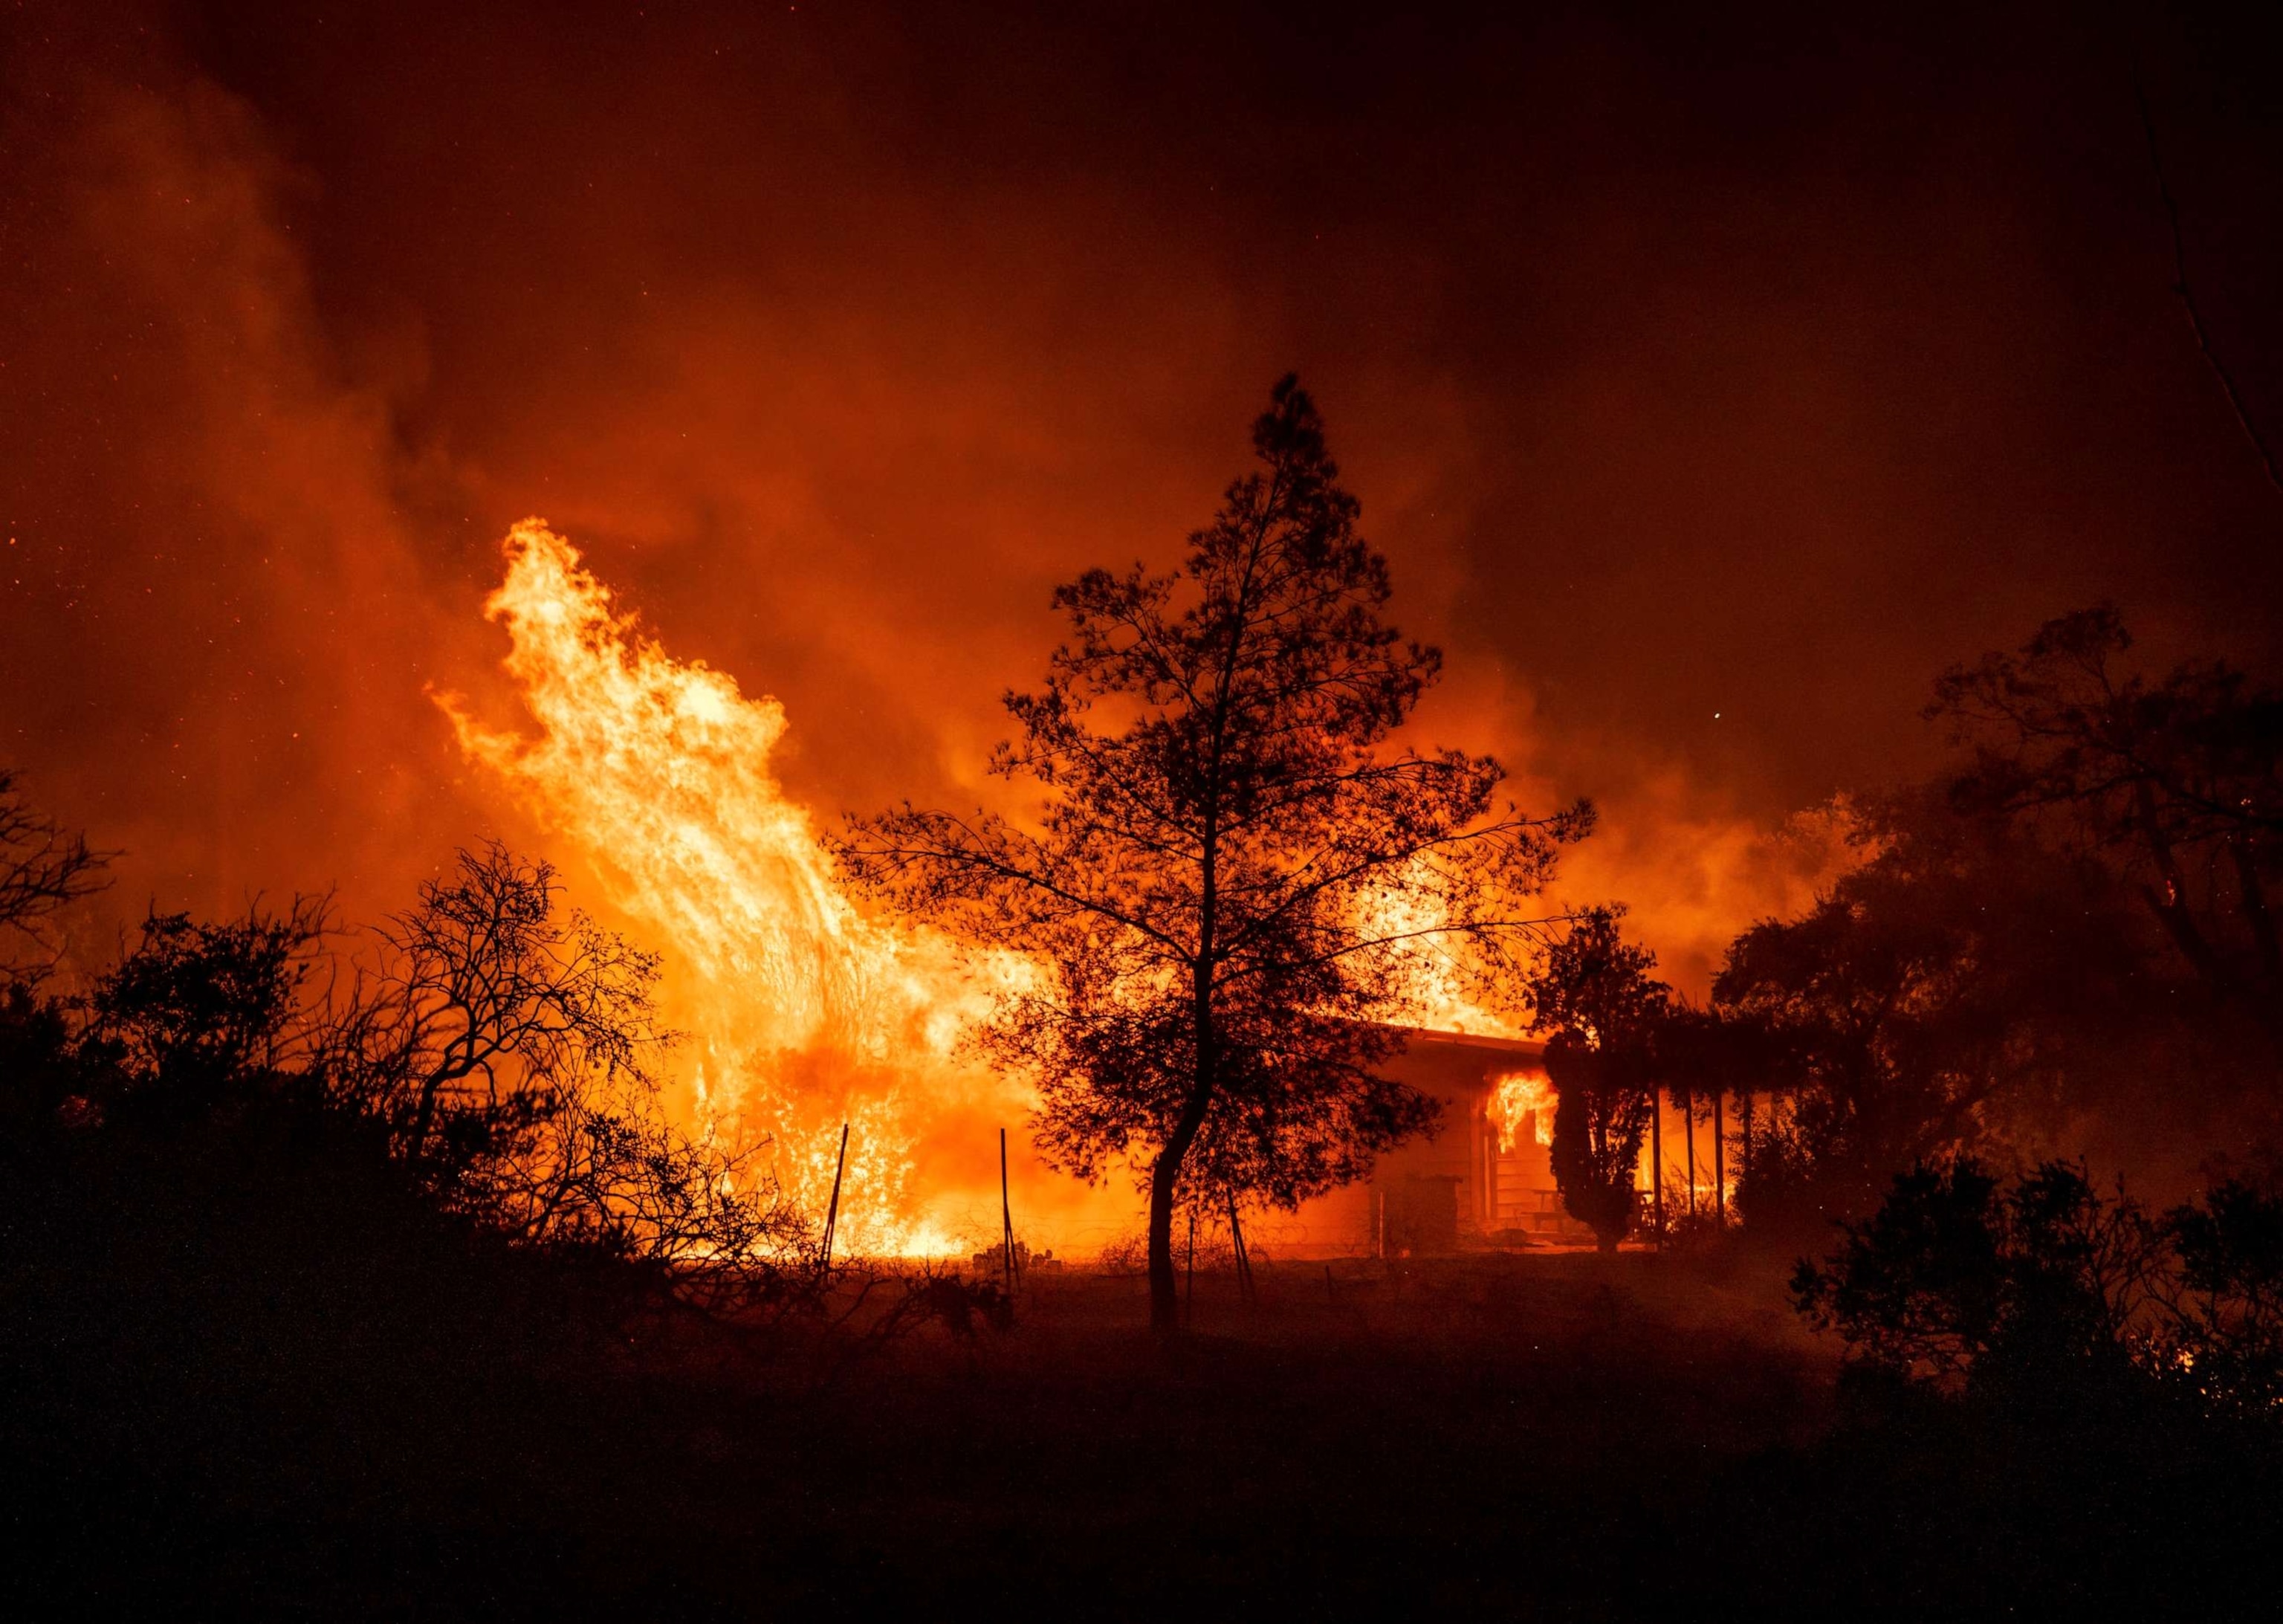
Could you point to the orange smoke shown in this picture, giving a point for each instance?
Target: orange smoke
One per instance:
(803, 1013)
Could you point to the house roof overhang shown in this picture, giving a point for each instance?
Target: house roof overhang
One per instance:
(1513, 1048)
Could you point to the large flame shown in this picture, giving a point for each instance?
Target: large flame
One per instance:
(803, 1013)
(1432, 985)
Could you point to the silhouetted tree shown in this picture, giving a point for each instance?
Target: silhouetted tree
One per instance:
(1918, 1287)
(2228, 1306)
(200, 1014)
(2178, 782)
(506, 1043)
(1960, 971)
(41, 1080)
(2053, 1295)
(2075, 926)
(1593, 993)
(1223, 829)
(44, 868)
(491, 1006)
(494, 1061)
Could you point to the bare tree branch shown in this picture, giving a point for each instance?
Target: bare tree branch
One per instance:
(44, 868)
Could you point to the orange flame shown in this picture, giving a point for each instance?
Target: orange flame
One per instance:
(1430, 982)
(805, 1012)
(1518, 1095)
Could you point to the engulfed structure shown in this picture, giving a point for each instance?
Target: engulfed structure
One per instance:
(1484, 1180)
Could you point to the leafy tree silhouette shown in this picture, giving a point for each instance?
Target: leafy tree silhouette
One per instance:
(2053, 1298)
(200, 1015)
(2177, 782)
(1223, 822)
(1594, 993)
(1962, 969)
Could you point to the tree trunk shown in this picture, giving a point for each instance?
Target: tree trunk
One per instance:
(1720, 1163)
(424, 1118)
(1688, 1122)
(1189, 1273)
(1166, 1176)
(2170, 905)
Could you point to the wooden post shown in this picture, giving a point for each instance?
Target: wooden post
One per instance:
(1491, 1225)
(1006, 1215)
(1244, 1265)
(832, 1213)
(1744, 1099)
(1656, 1161)
(1688, 1122)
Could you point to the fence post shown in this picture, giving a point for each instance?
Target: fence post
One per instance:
(832, 1213)
(1006, 1215)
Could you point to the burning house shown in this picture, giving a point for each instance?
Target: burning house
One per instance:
(1485, 1179)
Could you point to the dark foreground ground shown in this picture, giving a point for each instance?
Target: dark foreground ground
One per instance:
(1557, 1436)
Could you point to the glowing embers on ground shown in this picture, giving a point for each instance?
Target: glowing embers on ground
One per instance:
(802, 1012)
(1518, 1098)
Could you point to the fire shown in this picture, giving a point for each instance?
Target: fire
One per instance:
(804, 1012)
(1430, 984)
(1518, 1095)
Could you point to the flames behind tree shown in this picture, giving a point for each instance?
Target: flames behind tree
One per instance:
(802, 1012)
(1432, 982)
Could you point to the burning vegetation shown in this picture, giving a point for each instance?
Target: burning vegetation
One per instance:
(804, 1014)
(1019, 967)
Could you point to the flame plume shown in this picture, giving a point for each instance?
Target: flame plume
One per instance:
(1430, 983)
(805, 1012)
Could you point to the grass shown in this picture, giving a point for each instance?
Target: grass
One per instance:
(1557, 1435)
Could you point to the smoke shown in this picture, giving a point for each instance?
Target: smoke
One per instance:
(217, 619)
(238, 560)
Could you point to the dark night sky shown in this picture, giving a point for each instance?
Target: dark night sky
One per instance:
(1684, 365)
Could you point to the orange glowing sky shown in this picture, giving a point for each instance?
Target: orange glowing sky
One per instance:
(1709, 385)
